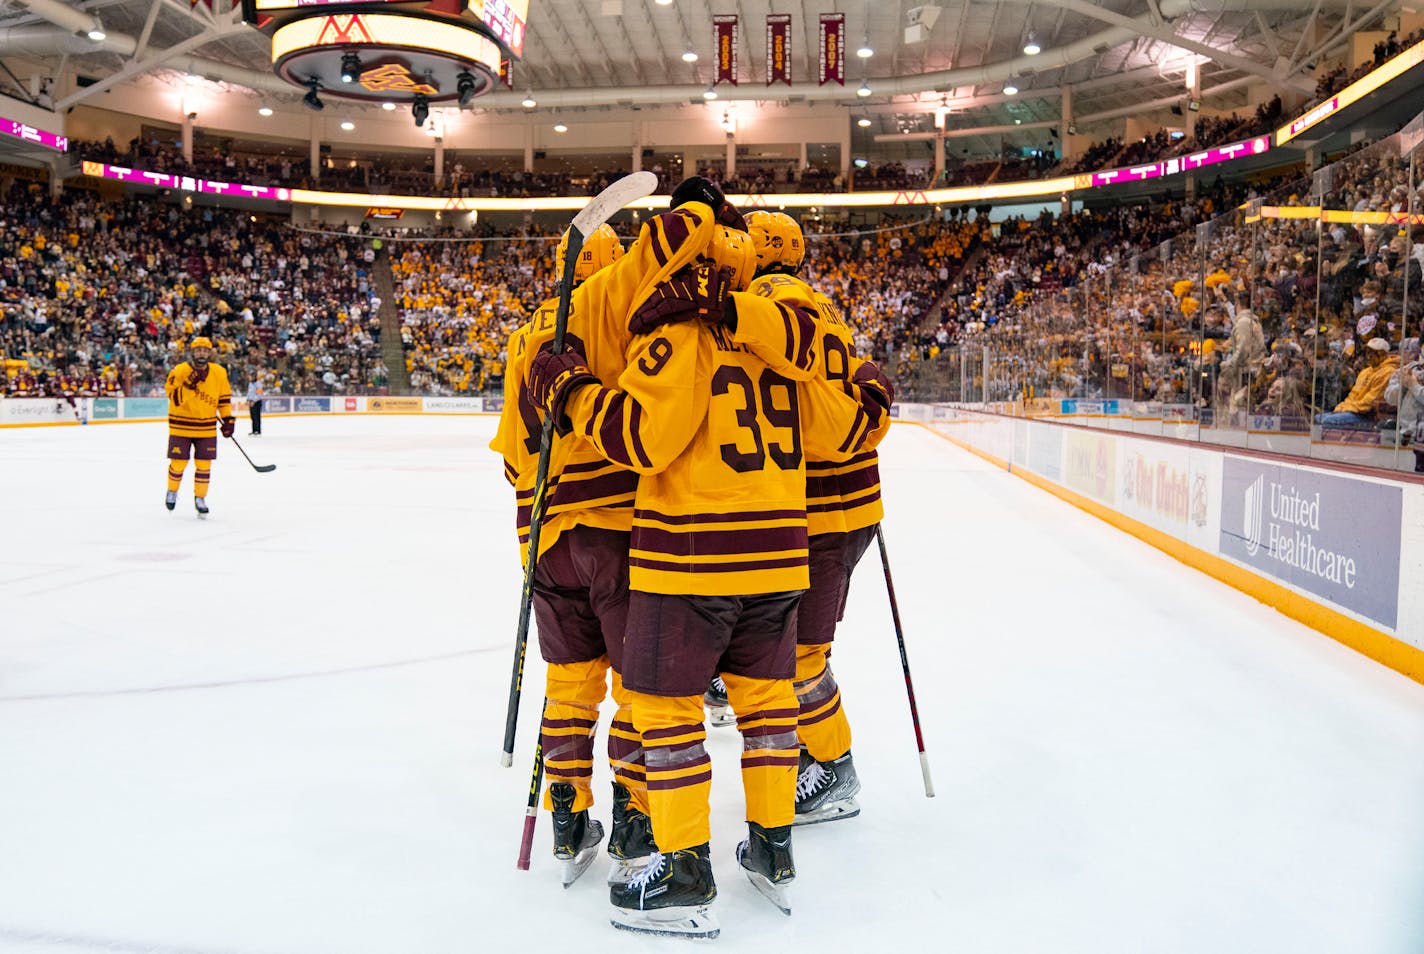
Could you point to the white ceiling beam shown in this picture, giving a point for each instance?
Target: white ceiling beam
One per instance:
(148, 23)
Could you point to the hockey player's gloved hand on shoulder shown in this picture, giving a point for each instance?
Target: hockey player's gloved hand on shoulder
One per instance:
(695, 291)
(196, 377)
(553, 378)
(876, 391)
(227, 426)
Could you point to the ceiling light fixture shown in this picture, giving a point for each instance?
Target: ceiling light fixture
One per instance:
(96, 32)
(866, 51)
(864, 89)
(465, 85)
(863, 122)
(560, 128)
(529, 101)
(348, 125)
(690, 56)
(350, 67)
(1011, 90)
(264, 111)
(664, 3)
(710, 93)
(420, 109)
(311, 100)
(1031, 47)
(388, 106)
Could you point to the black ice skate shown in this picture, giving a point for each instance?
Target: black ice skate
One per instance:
(170, 500)
(719, 712)
(201, 505)
(825, 791)
(766, 858)
(630, 844)
(669, 896)
(576, 836)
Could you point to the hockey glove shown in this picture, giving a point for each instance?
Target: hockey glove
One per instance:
(876, 391)
(227, 426)
(694, 291)
(553, 378)
(196, 377)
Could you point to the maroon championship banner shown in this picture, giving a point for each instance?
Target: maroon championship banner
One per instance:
(506, 73)
(778, 48)
(832, 48)
(725, 35)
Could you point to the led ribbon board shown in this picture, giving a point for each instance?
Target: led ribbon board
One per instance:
(1356, 91)
(33, 134)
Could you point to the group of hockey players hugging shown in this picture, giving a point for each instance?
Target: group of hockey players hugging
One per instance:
(712, 484)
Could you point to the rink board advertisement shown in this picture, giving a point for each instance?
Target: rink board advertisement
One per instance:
(1335, 536)
(1353, 545)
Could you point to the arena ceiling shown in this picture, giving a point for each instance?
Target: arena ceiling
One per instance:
(1118, 57)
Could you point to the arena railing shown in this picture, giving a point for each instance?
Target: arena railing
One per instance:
(1288, 325)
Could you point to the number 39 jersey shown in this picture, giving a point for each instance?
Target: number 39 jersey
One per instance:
(720, 441)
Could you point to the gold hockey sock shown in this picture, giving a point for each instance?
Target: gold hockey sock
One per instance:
(202, 471)
(175, 474)
(678, 767)
(822, 723)
(572, 692)
(625, 750)
(766, 716)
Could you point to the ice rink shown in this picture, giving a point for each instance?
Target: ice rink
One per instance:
(277, 731)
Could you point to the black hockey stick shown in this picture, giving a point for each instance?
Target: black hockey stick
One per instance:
(260, 468)
(905, 663)
(600, 208)
(531, 812)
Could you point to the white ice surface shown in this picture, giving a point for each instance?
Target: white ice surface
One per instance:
(278, 730)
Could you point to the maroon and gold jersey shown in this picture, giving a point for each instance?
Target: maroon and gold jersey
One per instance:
(583, 486)
(193, 412)
(719, 439)
(841, 494)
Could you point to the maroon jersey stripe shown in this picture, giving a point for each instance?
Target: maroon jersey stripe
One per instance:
(687, 781)
(643, 513)
(753, 761)
(719, 542)
(738, 566)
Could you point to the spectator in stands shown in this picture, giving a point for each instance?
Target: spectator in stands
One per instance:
(1360, 407)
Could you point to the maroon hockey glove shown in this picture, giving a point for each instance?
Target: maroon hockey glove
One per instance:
(729, 216)
(197, 377)
(227, 426)
(553, 378)
(694, 291)
(876, 391)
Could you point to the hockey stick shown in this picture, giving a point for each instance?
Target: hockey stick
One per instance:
(531, 812)
(260, 468)
(904, 663)
(600, 208)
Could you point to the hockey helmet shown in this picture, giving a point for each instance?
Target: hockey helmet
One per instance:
(733, 248)
(600, 249)
(779, 243)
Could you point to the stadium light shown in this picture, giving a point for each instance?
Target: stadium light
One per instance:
(560, 128)
(465, 85)
(264, 111)
(529, 101)
(1031, 47)
(311, 100)
(864, 90)
(866, 51)
(710, 93)
(1011, 90)
(350, 67)
(690, 56)
(388, 106)
(420, 109)
(96, 33)
(348, 125)
(863, 122)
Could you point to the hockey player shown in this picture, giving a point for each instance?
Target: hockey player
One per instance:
(199, 395)
(717, 562)
(842, 509)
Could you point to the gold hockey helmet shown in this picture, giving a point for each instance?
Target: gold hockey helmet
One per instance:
(733, 248)
(778, 240)
(600, 249)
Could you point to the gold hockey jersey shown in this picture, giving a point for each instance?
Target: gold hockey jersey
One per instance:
(841, 494)
(720, 440)
(193, 412)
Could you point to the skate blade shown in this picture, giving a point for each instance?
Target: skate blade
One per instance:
(721, 716)
(695, 922)
(626, 869)
(832, 811)
(773, 892)
(571, 869)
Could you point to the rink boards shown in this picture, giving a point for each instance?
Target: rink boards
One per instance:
(1342, 552)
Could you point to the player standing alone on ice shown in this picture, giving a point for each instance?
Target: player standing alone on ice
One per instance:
(199, 396)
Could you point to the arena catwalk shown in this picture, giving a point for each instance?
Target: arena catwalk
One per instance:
(278, 729)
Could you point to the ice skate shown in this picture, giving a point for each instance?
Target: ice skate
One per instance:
(669, 896)
(170, 500)
(766, 858)
(719, 712)
(631, 844)
(825, 791)
(201, 505)
(576, 836)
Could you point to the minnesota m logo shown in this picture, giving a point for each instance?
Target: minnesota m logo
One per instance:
(394, 77)
(343, 28)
